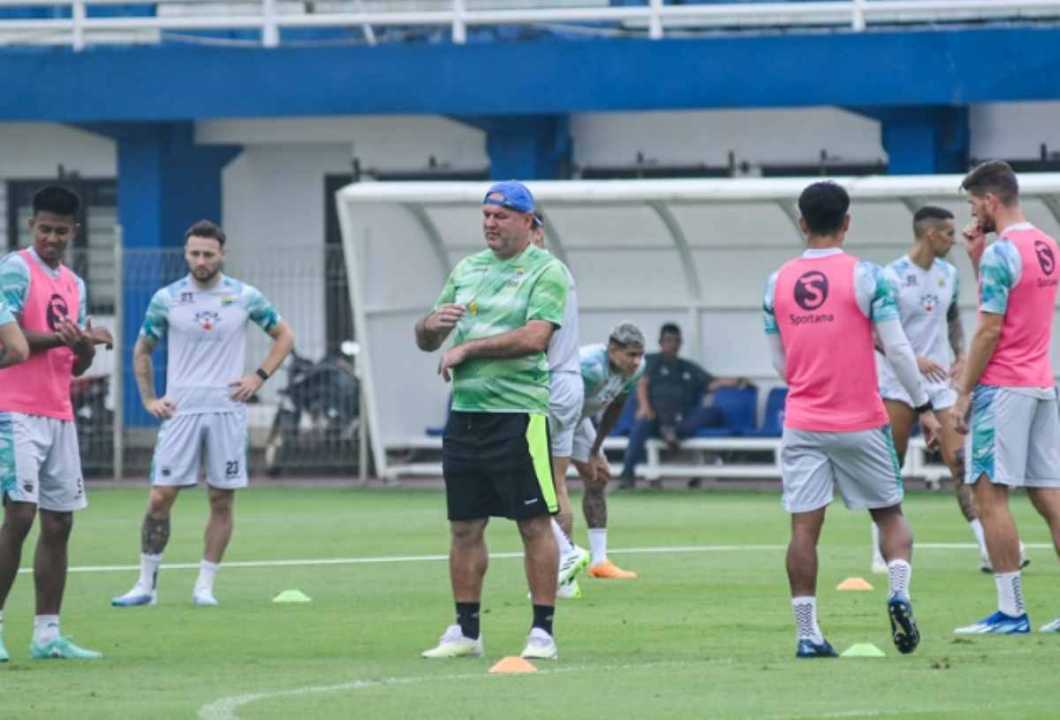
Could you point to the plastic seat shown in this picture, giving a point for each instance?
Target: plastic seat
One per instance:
(738, 406)
(773, 421)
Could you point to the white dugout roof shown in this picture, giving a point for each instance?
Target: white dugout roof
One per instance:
(696, 252)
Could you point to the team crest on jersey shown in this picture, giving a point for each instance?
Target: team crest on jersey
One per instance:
(187, 298)
(910, 280)
(207, 319)
(227, 300)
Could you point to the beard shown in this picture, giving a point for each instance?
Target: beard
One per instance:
(987, 224)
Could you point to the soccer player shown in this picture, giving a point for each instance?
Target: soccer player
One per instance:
(820, 311)
(203, 411)
(504, 304)
(609, 372)
(927, 288)
(566, 394)
(40, 465)
(1007, 400)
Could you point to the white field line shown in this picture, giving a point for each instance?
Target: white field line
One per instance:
(310, 562)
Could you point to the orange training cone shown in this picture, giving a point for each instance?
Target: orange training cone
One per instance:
(513, 664)
(854, 584)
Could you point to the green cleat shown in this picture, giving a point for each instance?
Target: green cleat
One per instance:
(62, 648)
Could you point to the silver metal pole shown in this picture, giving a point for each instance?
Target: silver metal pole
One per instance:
(362, 428)
(118, 331)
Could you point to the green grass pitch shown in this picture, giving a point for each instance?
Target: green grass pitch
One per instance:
(705, 632)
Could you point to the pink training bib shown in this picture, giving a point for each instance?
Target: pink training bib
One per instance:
(828, 345)
(41, 385)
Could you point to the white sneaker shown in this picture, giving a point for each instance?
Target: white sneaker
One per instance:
(572, 563)
(879, 566)
(540, 646)
(569, 590)
(136, 597)
(1053, 626)
(203, 598)
(453, 644)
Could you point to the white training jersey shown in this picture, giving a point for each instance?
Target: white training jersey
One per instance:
(206, 339)
(563, 347)
(924, 300)
(602, 383)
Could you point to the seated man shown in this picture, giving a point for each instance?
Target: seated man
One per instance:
(669, 400)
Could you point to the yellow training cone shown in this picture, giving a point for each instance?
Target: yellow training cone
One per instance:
(854, 584)
(513, 664)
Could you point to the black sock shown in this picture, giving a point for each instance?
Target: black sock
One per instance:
(467, 619)
(543, 617)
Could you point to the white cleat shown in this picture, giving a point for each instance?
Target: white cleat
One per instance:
(136, 597)
(204, 598)
(569, 590)
(1051, 627)
(572, 563)
(453, 644)
(540, 646)
(879, 566)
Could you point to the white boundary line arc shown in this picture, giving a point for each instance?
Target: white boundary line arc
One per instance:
(311, 562)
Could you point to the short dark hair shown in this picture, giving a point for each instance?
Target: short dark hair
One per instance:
(928, 216)
(206, 229)
(669, 329)
(993, 176)
(58, 200)
(824, 206)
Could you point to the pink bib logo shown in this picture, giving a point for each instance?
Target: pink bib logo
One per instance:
(1045, 257)
(811, 290)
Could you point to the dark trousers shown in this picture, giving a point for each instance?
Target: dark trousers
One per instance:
(702, 416)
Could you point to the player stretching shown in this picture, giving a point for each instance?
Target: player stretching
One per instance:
(610, 372)
(566, 395)
(203, 412)
(927, 288)
(1008, 386)
(820, 311)
(40, 464)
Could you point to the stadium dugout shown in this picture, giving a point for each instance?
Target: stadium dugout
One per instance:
(695, 252)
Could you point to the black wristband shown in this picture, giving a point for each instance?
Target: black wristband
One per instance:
(262, 374)
(926, 407)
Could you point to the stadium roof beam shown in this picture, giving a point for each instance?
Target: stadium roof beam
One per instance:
(939, 67)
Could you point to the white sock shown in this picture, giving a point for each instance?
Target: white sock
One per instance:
(900, 572)
(207, 570)
(149, 565)
(977, 530)
(806, 628)
(877, 555)
(564, 543)
(45, 629)
(1010, 593)
(598, 545)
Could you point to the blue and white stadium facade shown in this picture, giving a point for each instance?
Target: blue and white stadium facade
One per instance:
(257, 111)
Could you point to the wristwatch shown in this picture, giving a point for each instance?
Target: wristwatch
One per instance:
(926, 407)
(262, 374)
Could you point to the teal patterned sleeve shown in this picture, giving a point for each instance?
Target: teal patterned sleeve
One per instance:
(14, 282)
(769, 316)
(998, 273)
(260, 311)
(5, 315)
(82, 310)
(877, 296)
(593, 359)
(156, 320)
(548, 298)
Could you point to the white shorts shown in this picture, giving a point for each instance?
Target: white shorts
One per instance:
(1014, 438)
(584, 437)
(40, 462)
(183, 440)
(941, 395)
(863, 464)
(566, 395)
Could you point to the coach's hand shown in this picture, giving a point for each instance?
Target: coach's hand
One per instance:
(69, 334)
(245, 387)
(444, 318)
(961, 412)
(161, 408)
(450, 359)
(931, 369)
(932, 428)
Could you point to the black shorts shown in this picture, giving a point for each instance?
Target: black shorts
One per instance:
(497, 465)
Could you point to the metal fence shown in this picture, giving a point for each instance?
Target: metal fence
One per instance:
(305, 421)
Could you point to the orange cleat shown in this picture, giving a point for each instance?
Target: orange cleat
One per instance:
(607, 570)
